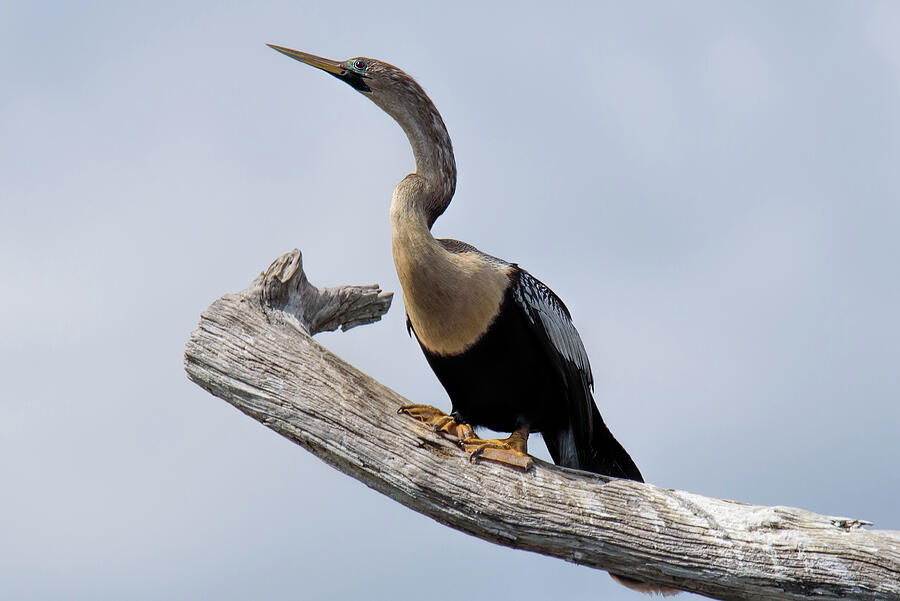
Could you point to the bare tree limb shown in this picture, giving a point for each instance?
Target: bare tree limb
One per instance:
(254, 350)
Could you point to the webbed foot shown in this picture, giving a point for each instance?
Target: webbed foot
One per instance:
(438, 420)
(512, 451)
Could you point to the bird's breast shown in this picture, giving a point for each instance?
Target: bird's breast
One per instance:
(451, 298)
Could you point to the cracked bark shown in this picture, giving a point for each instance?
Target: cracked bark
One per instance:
(254, 349)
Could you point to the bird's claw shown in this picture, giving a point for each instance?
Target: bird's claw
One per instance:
(437, 420)
(510, 452)
(499, 451)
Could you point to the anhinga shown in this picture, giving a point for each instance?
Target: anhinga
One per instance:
(500, 341)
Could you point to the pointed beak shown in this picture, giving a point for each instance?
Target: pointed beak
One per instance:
(356, 80)
(327, 65)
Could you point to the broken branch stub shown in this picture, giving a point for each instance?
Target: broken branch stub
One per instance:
(285, 287)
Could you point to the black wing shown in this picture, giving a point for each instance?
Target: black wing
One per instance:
(562, 345)
(546, 311)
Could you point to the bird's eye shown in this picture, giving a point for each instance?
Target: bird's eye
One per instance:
(360, 64)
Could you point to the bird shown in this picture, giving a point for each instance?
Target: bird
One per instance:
(499, 340)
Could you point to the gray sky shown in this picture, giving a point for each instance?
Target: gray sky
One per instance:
(712, 188)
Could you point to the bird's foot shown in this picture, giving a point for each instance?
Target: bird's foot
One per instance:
(438, 421)
(510, 451)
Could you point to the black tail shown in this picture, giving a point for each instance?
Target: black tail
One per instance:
(607, 456)
(594, 451)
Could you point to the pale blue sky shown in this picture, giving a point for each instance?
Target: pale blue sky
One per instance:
(712, 188)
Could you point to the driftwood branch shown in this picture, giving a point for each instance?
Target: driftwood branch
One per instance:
(254, 350)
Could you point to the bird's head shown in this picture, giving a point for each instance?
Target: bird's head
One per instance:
(383, 83)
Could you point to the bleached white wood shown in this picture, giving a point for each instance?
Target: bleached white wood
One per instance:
(254, 350)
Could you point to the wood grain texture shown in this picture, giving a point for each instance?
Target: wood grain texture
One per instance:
(253, 350)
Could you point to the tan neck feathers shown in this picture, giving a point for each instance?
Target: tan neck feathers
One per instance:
(451, 298)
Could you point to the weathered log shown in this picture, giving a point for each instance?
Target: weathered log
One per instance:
(254, 350)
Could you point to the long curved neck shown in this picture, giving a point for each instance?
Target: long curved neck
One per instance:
(424, 267)
(432, 150)
(433, 153)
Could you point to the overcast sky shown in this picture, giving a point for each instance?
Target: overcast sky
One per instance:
(713, 189)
